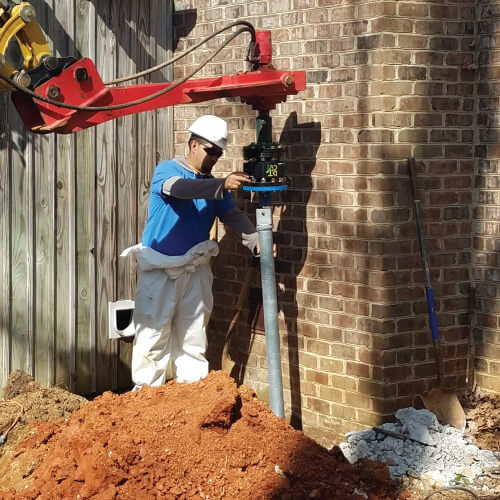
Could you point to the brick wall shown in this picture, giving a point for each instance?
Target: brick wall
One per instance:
(487, 209)
(386, 80)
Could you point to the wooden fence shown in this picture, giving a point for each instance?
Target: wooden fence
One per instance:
(70, 203)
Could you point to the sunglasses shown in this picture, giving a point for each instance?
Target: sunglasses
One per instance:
(211, 151)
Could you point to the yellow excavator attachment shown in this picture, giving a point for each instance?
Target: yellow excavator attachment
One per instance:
(20, 23)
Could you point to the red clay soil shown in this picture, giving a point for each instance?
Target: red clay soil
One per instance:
(209, 440)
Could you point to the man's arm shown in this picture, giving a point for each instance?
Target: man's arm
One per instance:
(191, 189)
(243, 227)
(208, 189)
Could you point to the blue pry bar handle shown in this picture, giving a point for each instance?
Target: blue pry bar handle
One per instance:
(432, 313)
(428, 290)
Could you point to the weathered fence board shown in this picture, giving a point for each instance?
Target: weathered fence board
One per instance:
(126, 152)
(85, 18)
(44, 282)
(44, 247)
(21, 260)
(65, 214)
(5, 233)
(70, 204)
(105, 205)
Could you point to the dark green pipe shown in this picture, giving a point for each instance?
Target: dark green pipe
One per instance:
(264, 127)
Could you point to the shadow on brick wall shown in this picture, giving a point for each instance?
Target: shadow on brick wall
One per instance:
(301, 141)
(184, 21)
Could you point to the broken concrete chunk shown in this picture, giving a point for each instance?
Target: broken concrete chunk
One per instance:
(421, 417)
(418, 432)
(418, 444)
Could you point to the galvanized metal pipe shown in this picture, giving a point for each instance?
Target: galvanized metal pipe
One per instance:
(270, 304)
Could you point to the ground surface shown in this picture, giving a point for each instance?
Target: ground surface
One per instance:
(207, 440)
(483, 418)
(37, 403)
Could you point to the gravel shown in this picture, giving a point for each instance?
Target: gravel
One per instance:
(418, 445)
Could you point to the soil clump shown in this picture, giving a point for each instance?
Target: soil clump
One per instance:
(483, 419)
(209, 440)
(27, 401)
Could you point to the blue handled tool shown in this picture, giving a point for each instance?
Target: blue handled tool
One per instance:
(436, 341)
(443, 403)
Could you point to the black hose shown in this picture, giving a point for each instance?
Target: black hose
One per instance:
(182, 54)
(128, 104)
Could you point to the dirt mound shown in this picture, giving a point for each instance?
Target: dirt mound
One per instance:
(483, 422)
(27, 401)
(209, 440)
(18, 383)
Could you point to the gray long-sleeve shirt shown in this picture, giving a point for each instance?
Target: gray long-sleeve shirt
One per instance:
(211, 188)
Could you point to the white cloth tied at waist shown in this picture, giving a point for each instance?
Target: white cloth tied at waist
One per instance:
(174, 265)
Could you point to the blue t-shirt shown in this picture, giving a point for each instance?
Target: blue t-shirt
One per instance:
(175, 225)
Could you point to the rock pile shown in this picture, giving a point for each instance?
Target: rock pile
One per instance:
(419, 446)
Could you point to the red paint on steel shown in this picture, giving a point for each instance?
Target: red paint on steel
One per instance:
(263, 46)
(260, 89)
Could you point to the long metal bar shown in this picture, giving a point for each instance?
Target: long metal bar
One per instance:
(270, 304)
(264, 219)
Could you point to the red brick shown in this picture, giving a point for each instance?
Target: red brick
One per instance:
(385, 81)
(329, 333)
(397, 373)
(413, 10)
(392, 25)
(376, 389)
(373, 326)
(316, 376)
(332, 365)
(357, 369)
(317, 405)
(381, 358)
(358, 400)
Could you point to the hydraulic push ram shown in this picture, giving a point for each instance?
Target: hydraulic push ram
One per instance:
(265, 169)
(64, 95)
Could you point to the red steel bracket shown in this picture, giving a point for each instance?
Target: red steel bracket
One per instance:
(81, 85)
(261, 89)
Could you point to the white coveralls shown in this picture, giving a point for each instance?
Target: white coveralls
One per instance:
(173, 304)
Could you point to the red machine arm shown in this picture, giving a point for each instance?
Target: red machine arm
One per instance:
(80, 86)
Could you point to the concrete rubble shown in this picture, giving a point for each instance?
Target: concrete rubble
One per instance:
(417, 445)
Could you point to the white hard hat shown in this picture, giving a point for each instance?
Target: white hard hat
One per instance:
(211, 128)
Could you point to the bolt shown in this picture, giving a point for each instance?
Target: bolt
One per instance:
(81, 74)
(51, 63)
(23, 79)
(288, 80)
(28, 13)
(53, 92)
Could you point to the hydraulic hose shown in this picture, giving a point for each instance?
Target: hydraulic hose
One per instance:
(128, 104)
(251, 30)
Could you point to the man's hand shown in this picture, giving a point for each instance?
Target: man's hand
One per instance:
(275, 250)
(235, 180)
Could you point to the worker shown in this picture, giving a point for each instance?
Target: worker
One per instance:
(174, 297)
